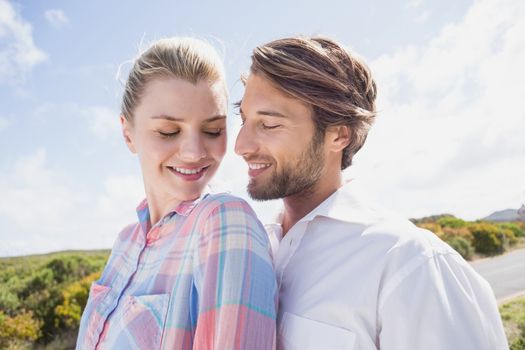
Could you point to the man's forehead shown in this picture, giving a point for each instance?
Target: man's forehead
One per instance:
(262, 97)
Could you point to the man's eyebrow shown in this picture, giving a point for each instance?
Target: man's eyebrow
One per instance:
(272, 114)
(173, 119)
(268, 113)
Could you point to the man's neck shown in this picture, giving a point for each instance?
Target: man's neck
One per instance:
(299, 205)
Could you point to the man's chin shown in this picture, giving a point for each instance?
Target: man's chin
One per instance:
(260, 192)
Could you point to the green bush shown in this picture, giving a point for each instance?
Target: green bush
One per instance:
(487, 238)
(67, 314)
(451, 221)
(508, 237)
(18, 331)
(431, 226)
(462, 246)
(42, 297)
(516, 229)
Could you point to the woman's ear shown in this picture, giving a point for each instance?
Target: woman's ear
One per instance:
(127, 134)
(338, 137)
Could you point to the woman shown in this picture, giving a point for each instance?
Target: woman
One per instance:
(195, 271)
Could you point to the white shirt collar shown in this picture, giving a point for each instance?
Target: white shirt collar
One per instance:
(349, 204)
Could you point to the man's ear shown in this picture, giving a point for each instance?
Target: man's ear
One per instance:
(127, 134)
(338, 137)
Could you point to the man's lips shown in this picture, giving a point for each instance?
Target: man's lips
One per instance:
(256, 168)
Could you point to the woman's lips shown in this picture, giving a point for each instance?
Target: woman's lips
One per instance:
(189, 174)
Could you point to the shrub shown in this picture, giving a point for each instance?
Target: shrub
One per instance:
(17, 331)
(75, 298)
(451, 221)
(487, 238)
(508, 237)
(462, 246)
(516, 229)
(431, 226)
(462, 232)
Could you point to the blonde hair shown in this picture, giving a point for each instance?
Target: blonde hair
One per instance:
(183, 58)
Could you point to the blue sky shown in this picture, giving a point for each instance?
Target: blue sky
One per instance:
(449, 136)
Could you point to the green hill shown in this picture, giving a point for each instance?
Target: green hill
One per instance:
(42, 297)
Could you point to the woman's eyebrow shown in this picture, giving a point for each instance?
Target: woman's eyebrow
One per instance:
(173, 119)
(167, 117)
(214, 118)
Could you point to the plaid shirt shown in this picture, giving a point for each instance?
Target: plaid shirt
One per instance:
(201, 278)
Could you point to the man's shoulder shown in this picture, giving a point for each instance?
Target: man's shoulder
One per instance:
(357, 215)
(401, 236)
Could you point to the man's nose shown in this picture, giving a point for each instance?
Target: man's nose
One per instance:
(246, 142)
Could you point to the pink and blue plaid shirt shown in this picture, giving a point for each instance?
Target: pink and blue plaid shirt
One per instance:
(201, 278)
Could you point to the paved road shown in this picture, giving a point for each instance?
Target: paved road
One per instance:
(505, 273)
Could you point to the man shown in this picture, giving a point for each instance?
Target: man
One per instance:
(350, 275)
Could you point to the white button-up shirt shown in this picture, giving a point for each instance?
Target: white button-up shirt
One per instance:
(353, 277)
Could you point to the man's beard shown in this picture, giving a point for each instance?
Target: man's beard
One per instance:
(299, 177)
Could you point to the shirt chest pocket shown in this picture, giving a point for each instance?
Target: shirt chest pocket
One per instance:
(143, 318)
(299, 333)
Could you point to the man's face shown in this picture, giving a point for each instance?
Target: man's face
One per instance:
(285, 155)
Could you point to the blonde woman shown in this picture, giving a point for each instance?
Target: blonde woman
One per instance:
(194, 272)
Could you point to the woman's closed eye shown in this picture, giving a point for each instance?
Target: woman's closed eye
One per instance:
(215, 132)
(168, 134)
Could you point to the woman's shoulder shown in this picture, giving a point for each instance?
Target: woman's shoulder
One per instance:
(127, 235)
(227, 208)
(225, 201)
(225, 215)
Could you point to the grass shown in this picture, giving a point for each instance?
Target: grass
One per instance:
(513, 316)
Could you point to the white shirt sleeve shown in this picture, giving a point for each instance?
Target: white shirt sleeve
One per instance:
(439, 303)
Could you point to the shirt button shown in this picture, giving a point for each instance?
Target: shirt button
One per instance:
(291, 241)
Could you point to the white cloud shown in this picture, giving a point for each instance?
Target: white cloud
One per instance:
(43, 210)
(18, 53)
(56, 17)
(34, 195)
(103, 122)
(450, 129)
(423, 17)
(124, 191)
(4, 123)
(414, 3)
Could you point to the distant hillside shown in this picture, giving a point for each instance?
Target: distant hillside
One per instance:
(505, 215)
(45, 256)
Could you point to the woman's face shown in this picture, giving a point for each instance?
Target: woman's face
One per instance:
(179, 133)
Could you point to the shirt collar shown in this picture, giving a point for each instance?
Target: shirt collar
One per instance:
(183, 208)
(349, 203)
